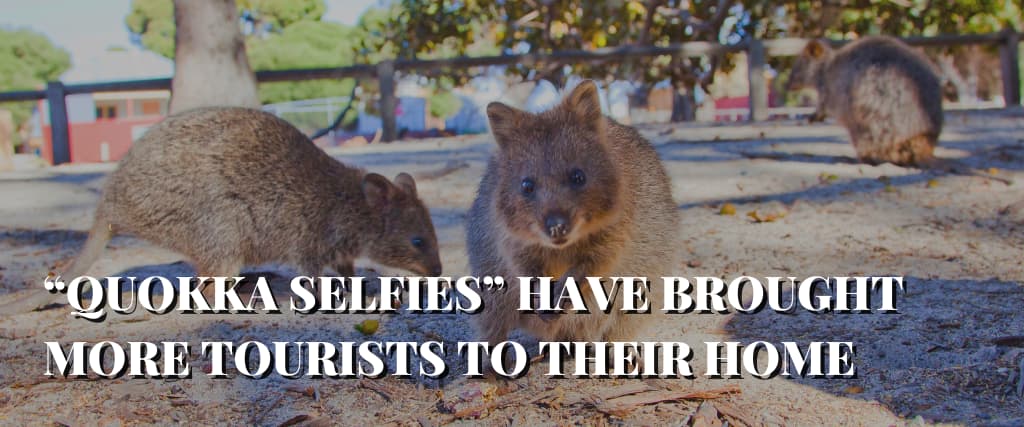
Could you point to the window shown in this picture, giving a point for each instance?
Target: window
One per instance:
(106, 111)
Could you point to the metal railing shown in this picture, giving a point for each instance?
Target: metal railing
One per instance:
(385, 72)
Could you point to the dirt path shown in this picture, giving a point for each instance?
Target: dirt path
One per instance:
(949, 356)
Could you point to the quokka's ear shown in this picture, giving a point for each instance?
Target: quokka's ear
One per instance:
(584, 103)
(379, 192)
(816, 48)
(406, 183)
(505, 122)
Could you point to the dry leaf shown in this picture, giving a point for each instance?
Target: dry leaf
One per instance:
(475, 399)
(758, 218)
(853, 389)
(826, 178)
(727, 209)
(932, 183)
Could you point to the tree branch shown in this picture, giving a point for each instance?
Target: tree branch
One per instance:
(341, 116)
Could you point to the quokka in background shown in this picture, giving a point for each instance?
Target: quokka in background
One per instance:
(886, 94)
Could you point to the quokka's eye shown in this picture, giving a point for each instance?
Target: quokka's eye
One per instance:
(527, 186)
(418, 242)
(577, 178)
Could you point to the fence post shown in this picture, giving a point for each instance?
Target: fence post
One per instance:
(59, 136)
(1008, 58)
(6, 142)
(386, 77)
(758, 96)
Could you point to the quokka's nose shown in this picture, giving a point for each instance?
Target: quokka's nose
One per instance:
(557, 225)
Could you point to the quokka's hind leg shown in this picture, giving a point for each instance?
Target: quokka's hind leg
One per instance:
(916, 151)
(99, 236)
(921, 149)
(868, 151)
(225, 267)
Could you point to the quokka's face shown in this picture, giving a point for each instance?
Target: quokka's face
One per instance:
(808, 65)
(556, 180)
(408, 241)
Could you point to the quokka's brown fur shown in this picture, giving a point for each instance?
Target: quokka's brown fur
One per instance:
(621, 221)
(234, 187)
(886, 94)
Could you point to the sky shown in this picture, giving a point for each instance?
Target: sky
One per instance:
(85, 28)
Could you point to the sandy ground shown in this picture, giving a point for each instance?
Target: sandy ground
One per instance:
(952, 355)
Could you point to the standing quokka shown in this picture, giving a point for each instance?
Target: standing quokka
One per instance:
(569, 193)
(886, 94)
(234, 187)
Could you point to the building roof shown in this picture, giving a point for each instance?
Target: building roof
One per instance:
(112, 65)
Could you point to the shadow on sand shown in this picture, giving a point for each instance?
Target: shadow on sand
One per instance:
(949, 355)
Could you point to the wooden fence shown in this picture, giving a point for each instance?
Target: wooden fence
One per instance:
(757, 52)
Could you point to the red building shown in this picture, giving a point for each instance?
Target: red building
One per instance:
(104, 125)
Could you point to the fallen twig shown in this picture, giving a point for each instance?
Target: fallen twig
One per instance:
(622, 406)
(737, 414)
(294, 420)
(263, 414)
(372, 385)
(1009, 341)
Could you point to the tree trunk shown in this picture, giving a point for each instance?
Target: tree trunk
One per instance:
(6, 141)
(684, 105)
(210, 66)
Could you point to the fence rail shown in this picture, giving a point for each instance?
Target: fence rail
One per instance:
(385, 72)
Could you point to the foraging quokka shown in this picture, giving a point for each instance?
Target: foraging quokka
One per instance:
(886, 94)
(569, 193)
(233, 187)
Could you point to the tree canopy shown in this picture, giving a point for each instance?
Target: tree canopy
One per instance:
(285, 34)
(459, 26)
(27, 61)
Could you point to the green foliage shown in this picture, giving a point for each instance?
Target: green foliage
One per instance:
(379, 39)
(276, 15)
(27, 61)
(151, 23)
(443, 104)
(454, 27)
(284, 34)
(305, 44)
(899, 18)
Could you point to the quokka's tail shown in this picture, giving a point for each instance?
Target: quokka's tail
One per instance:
(99, 236)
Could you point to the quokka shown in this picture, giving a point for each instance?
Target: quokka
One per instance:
(569, 193)
(234, 187)
(886, 94)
